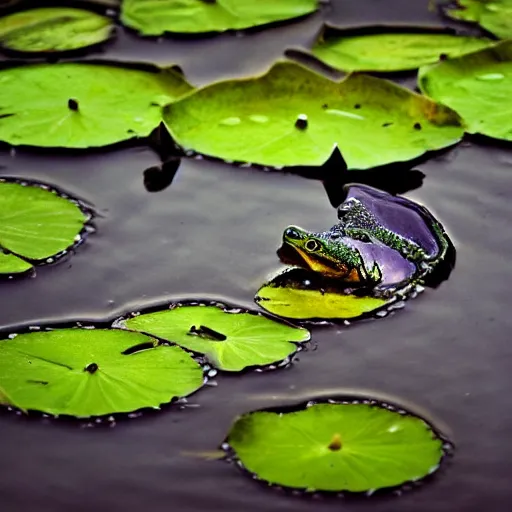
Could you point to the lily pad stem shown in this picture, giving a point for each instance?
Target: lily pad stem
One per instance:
(91, 368)
(73, 105)
(335, 443)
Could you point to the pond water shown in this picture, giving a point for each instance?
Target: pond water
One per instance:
(213, 234)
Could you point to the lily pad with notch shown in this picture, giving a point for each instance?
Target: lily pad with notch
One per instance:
(494, 16)
(53, 29)
(336, 447)
(232, 340)
(93, 372)
(81, 105)
(301, 295)
(37, 225)
(292, 116)
(477, 86)
(390, 49)
(203, 16)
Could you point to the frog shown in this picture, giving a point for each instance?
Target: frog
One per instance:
(380, 241)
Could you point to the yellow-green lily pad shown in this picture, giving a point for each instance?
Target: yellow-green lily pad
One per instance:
(153, 18)
(80, 105)
(292, 116)
(390, 49)
(494, 16)
(300, 295)
(53, 29)
(478, 86)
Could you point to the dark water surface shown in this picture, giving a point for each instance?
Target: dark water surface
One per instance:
(213, 233)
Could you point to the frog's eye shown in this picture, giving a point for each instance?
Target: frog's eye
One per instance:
(312, 245)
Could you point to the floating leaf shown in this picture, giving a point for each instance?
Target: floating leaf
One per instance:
(390, 49)
(306, 296)
(53, 29)
(478, 86)
(193, 16)
(292, 116)
(93, 372)
(232, 341)
(77, 105)
(336, 447)
(10, 264)
(493, 15)
(36, 224)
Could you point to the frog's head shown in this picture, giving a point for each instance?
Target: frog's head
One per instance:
(327, 253)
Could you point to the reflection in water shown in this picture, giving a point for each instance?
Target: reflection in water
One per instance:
(159, 177)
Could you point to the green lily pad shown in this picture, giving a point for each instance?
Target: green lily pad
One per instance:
(292, 116)
(390, 49)
(478, 87)
(301, 295)
(494, 16)
(78, 105)
(196, 16)
(336, 447)
(93, 372)
(10, 265)
(232, 341)
(36, 224)
(53, 29)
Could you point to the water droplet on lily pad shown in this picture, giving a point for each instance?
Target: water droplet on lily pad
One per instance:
(231, 121)
(258, 118)
(491, 77)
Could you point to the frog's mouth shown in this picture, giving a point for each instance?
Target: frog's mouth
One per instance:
(290, 254)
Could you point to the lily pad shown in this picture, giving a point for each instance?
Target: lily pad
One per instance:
(79, 105)
(301, 295)
(10, 265)
(196, 16)
(292, 116)
(93, 372)
(494, 16)
(478, 87)
(36, 224)
(336, 447)
(231, 340)
(53, 29)
(390, 49)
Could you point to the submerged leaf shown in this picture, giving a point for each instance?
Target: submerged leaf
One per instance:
(336, 447)
(478, 86)
(292, 116)
(389, 50)
(53, 29)
(78, 105)
(493, 15)
(304, 295)
(232, 341)
(153, 18)
(35, 224)
(84, 372)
